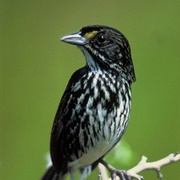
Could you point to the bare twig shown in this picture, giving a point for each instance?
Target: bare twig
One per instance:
(156, 165)
(142, 166)
(103, 171)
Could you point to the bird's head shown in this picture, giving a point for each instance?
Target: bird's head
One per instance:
(105, 49)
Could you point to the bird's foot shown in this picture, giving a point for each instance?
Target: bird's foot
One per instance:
(122, 174)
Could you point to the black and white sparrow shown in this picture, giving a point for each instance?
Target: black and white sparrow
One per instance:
(94, 110)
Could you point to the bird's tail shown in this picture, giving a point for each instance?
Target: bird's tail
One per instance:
(51, 174)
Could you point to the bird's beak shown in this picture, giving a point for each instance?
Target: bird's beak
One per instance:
(75, 38)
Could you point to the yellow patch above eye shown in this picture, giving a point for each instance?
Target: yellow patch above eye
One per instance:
(90, 35)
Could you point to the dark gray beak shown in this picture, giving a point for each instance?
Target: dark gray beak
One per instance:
(75, 38)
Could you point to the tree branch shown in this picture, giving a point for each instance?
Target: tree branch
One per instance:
(143, 165)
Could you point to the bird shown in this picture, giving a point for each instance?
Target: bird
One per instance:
(94, 110)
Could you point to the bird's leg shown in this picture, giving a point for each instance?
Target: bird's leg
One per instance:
(71, 173)
(122, 174)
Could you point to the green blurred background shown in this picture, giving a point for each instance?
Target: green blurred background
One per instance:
(35, 68)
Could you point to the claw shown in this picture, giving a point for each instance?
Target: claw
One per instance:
(123, 175)
(113, 174)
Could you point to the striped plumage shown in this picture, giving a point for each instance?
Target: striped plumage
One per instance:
(94, 110)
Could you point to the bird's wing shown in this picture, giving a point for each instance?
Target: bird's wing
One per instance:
(61, 119)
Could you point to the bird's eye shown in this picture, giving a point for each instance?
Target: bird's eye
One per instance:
(101, 39)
